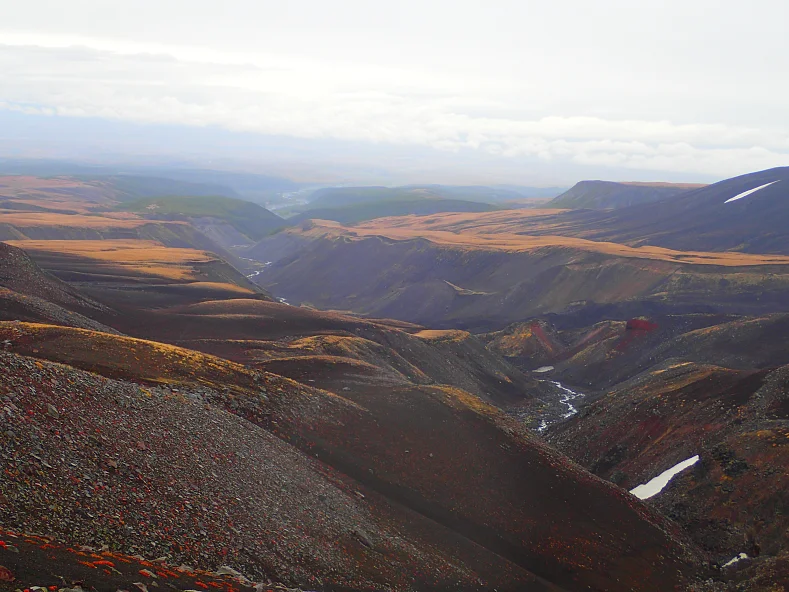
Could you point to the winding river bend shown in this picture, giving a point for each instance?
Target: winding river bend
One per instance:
(566, 398)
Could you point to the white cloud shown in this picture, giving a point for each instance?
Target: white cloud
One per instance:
(275, 94)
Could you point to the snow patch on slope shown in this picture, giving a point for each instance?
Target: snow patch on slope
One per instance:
(657, 484)
(749, 192)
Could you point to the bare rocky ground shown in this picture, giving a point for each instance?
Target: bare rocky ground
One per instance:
(164, 474)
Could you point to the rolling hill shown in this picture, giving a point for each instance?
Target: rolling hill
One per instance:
(131, 187)
(604, 195)
(746, 213)
(452, 271)
(360, 212)
(343, 196)
(349, 205)
(247, 218)
(69, 208)
(743, 214)
(144, 181)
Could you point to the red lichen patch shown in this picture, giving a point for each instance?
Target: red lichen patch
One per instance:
(34, 560)
(640, 325)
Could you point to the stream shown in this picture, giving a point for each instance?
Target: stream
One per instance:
(566, 398)
(259, 271)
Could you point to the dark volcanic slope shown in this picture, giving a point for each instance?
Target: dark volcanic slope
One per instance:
(735, 499)
(159, 471)
(701, 220)
(608, 352)
(419, 455)
(602, 195)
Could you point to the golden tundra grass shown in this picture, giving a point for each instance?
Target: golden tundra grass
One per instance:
(143, 256)
(496, 231)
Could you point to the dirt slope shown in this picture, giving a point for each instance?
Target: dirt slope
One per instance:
(92, 461)
(433, 450)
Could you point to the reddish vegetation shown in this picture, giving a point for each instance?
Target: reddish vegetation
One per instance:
(635, 328)
(735, 420)
(42, 562)
(640, 325)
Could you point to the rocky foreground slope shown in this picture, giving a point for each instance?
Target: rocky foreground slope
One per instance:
(396, 468)
(146, 448)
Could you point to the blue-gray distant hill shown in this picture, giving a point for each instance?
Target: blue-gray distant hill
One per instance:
(151, 180)
(356, 204)
(343, 196)
(608, 195)
(749, 213)
(348, 205)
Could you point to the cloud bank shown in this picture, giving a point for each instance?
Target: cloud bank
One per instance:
(281, 95)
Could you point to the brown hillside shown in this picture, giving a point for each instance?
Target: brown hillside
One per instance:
(481, 279)
(435, 450)
(736, 421)
(167, 473)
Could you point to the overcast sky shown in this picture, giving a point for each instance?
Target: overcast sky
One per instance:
(694, 88)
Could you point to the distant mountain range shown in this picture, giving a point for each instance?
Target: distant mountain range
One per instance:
(356, 204)
(146, 181)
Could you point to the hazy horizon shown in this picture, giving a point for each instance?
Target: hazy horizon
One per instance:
(450, 92)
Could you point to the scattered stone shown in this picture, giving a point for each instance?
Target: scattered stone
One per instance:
(6, 575)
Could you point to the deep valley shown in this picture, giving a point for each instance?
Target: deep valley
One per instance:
(198, 393)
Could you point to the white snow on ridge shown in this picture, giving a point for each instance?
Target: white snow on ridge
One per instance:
(749, 192)
(657, 484)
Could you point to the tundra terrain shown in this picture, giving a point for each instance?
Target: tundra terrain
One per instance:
(458, 401)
